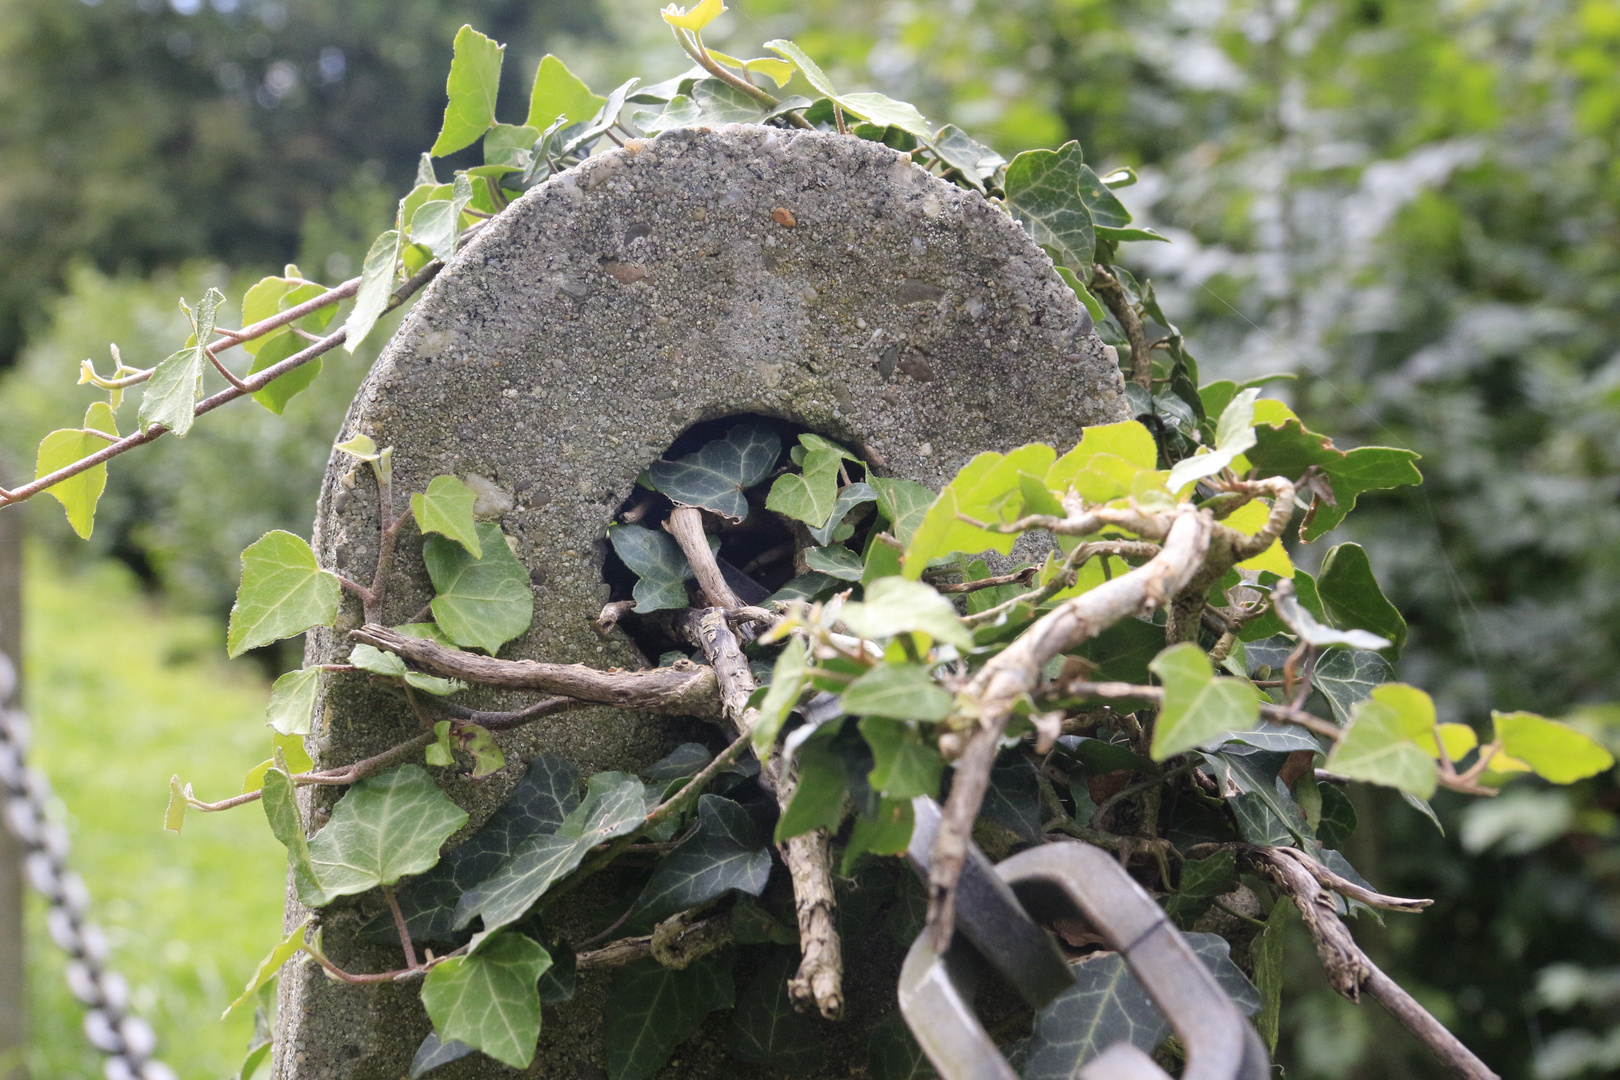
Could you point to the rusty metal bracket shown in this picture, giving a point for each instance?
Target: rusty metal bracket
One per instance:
(1065, 879)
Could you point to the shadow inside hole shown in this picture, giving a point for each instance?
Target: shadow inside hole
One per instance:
(757, 556)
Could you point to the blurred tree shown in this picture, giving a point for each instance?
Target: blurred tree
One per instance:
(138, 134)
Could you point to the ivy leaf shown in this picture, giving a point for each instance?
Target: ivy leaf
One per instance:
(1380, 745)
(559, 92)
(818, 801)
(1202, 880)
(614, 805)
(886, 831)
(885, 111)
(1013, 798)
(387, 826)
(1557, 752)
(435, 1052)
(1117, 453)
(283, 388)
(716, 476)
(260, 302)
(548, 792)
(903, 503)
(487, 756)
(713, 102)
(292, 701)
(1105, 1005)
(437, 223)
(510, 145)
(286, 749)
(177, 381)
(438, 752)
(1234, 434)
(1351, 598)
(1366, 468)
(898, 691)
(892, 1052)
(988, 489)
(652, 1009)
(376, 287)
(1266, 812)
(1295, 613)
(896, 606)
(78, 494)
(1215, 953)
(1107, 212)
(447, 508)
(1346, 677)
(808, 495)
(904, 764)
(724, 854)
(684, 762)
(590, 131)
(283, 592)
(766, 1029)
(1043, 193)
(1338, 821)
(1277, 738)
(1198, 706)
(374, 660)
(972, 160)
(475, 78)
(287, 826)
(657, 561)
(787, 683)
(1267, 952)
(702, 14)
(849, 498)
(835, 561)
(283, 951)
(488, 1000)
(481, 602)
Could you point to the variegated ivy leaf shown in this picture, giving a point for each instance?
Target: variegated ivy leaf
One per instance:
(725, 853)
(716, 476)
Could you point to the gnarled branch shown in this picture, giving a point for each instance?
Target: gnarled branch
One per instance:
(686, 689)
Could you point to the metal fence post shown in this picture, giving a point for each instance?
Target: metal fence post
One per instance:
(13, 978)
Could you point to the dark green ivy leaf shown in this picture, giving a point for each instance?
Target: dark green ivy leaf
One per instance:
(545, 795)
(433, 1053)
(1338, 821)
(716, 476)
(1013, 800)
(652, 1009)
(656, 559)
(1352, 599)
(1202, 880)
(687, 759)
(892, 1052)
(766, 1029)
(725, 853)
(818, 801)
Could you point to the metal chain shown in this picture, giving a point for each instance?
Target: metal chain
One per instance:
(127, 1040)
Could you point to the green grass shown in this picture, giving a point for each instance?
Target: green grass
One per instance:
(123, 694)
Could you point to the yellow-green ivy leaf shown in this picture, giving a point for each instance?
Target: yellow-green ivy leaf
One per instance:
(701, 15)
(284, 951)
(283, 592)
(559, 92)
(1381, 744)
(1198, 706)
(987, 489)
(177, 381)
(376, 287)
(292, 701)
(78, 494)
(446, 508)
(475, 78)
(1557, 752)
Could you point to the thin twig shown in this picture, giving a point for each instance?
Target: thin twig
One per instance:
(1348, 969)
(401, 925)
(990, 698)
(252, 384)
(1108, 289)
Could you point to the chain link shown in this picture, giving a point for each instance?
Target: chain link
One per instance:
(127, 1040)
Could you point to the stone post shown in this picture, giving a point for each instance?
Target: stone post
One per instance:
(815, 278)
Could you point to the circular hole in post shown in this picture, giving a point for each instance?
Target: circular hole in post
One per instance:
(757, 556)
